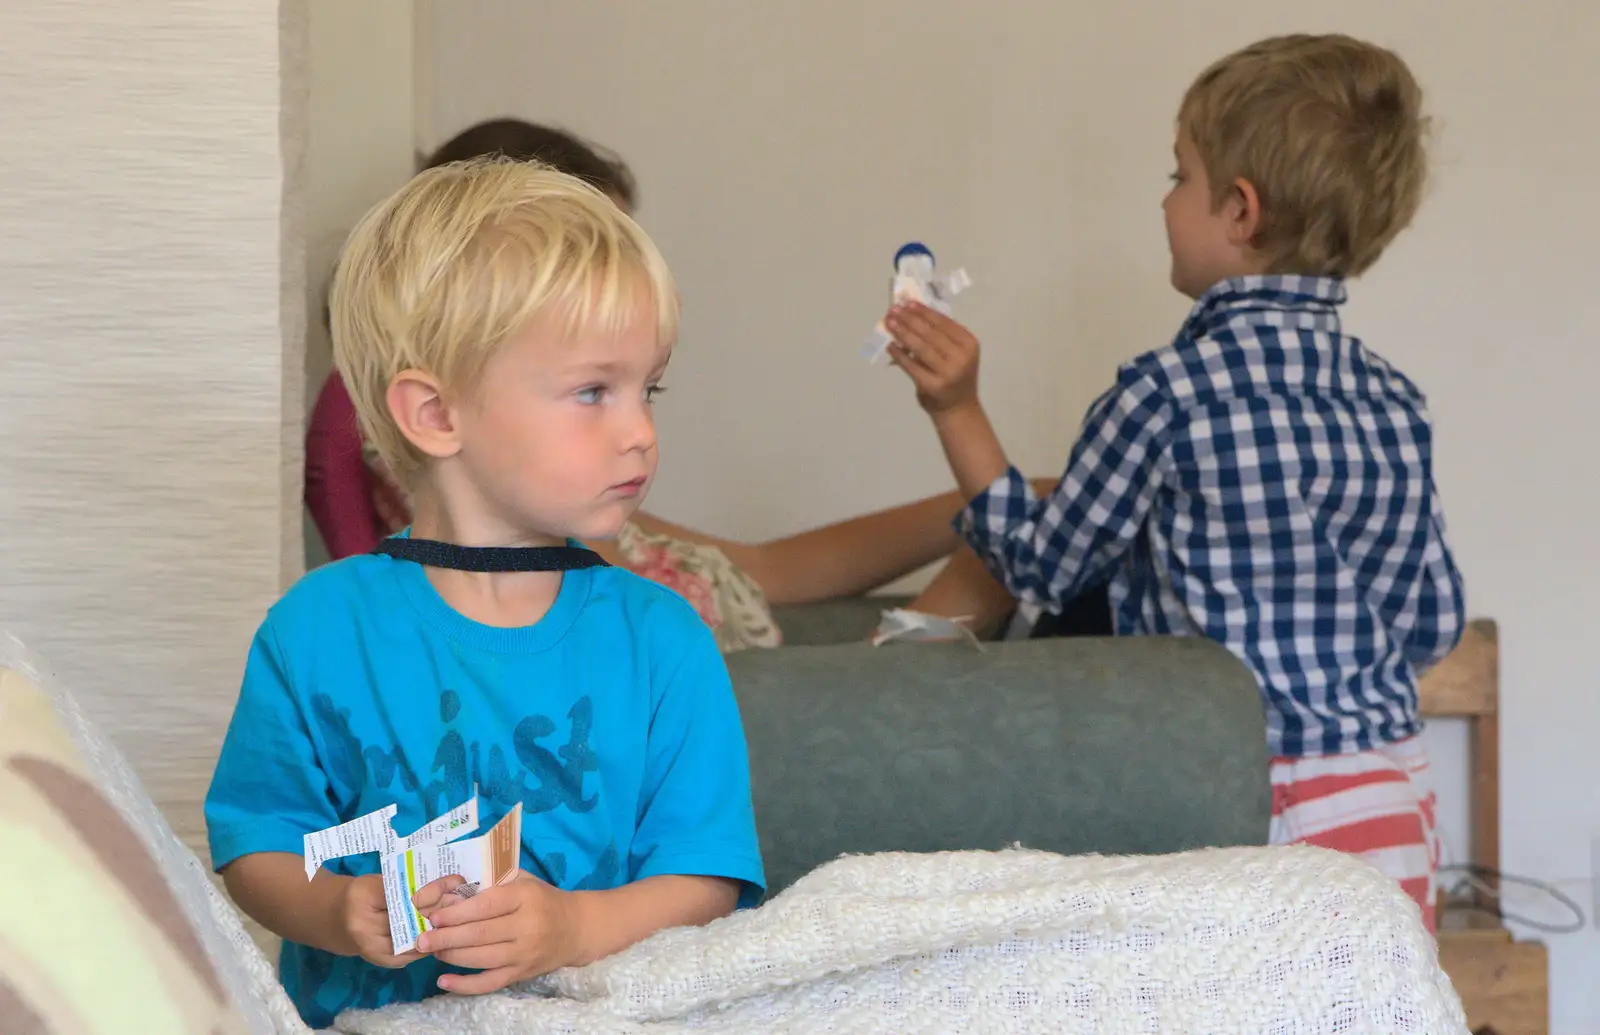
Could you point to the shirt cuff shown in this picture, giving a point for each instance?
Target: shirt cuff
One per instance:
(230, 842)
(988, 519)
(733, 865)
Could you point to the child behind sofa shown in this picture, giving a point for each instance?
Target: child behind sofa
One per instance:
(1265, 480)
(503, 329)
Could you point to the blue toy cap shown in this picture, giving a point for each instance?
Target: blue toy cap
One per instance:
(911, 248)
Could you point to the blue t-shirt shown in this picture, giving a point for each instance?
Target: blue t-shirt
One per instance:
(611, 720)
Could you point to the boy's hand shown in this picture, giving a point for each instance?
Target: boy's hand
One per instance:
(941, 358)
(512, 932)
(937, 353)
(366, 922)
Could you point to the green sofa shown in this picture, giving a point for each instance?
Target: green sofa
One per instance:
(1140, 745)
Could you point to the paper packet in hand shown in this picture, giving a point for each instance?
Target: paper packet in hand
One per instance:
(483, 862)
(427, 854)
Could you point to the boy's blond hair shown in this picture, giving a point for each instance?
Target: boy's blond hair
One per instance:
(1329, 131)
(464, 257)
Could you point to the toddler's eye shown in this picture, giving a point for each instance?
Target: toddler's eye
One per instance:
(652, 391)
(591, 395)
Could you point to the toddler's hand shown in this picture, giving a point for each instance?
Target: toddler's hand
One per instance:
(937, 353)
(366, 921)
(511, 933)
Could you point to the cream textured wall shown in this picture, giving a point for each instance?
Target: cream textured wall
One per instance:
(785, 149)
(151, 343)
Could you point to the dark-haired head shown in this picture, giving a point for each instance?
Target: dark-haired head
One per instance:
(517, 139)
(525, 141)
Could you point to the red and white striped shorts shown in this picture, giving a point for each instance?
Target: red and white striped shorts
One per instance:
(1378, 805)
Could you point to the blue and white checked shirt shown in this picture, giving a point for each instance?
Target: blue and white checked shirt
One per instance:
(1267, 482)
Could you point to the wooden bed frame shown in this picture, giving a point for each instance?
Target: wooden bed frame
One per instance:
(1503, 983)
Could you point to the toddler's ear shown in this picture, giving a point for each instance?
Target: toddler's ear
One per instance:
(417, 405)
(1243, 212)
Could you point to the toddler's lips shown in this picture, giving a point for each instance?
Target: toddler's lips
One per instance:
(629, 488)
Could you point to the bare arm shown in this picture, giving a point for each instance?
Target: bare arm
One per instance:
(971, 446)
(843, 559)
(610, 921)
(272, 888)
(342, 915)
(851, 557)
(940, 356)
(965, 587)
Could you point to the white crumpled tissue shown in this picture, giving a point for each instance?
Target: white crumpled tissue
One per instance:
(902, 624)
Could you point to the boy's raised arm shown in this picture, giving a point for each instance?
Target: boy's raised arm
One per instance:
(941, 358)
(1044, 551)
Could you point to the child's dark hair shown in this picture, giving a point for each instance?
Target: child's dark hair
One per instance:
(517, 139)
(522, 141)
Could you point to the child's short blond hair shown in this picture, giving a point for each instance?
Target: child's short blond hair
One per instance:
(1329, 131)
(464, 257)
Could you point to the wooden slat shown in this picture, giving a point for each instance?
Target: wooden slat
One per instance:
(1464, 927)
(1467, 681)
(1483, 765)
(1504, 985)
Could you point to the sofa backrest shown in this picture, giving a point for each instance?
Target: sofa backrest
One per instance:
(1139, 745)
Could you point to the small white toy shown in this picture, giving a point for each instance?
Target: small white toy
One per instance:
(914, 280)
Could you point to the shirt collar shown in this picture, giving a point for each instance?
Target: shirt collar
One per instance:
(1284, 299)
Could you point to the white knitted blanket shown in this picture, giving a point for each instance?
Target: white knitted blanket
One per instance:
(1287, 941)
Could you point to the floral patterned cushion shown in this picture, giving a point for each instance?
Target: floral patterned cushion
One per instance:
(726, 598)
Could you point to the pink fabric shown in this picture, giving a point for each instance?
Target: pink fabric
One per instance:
(659, 565)
(339, 485)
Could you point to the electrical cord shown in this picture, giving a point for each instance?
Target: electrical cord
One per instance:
(1476, 877)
